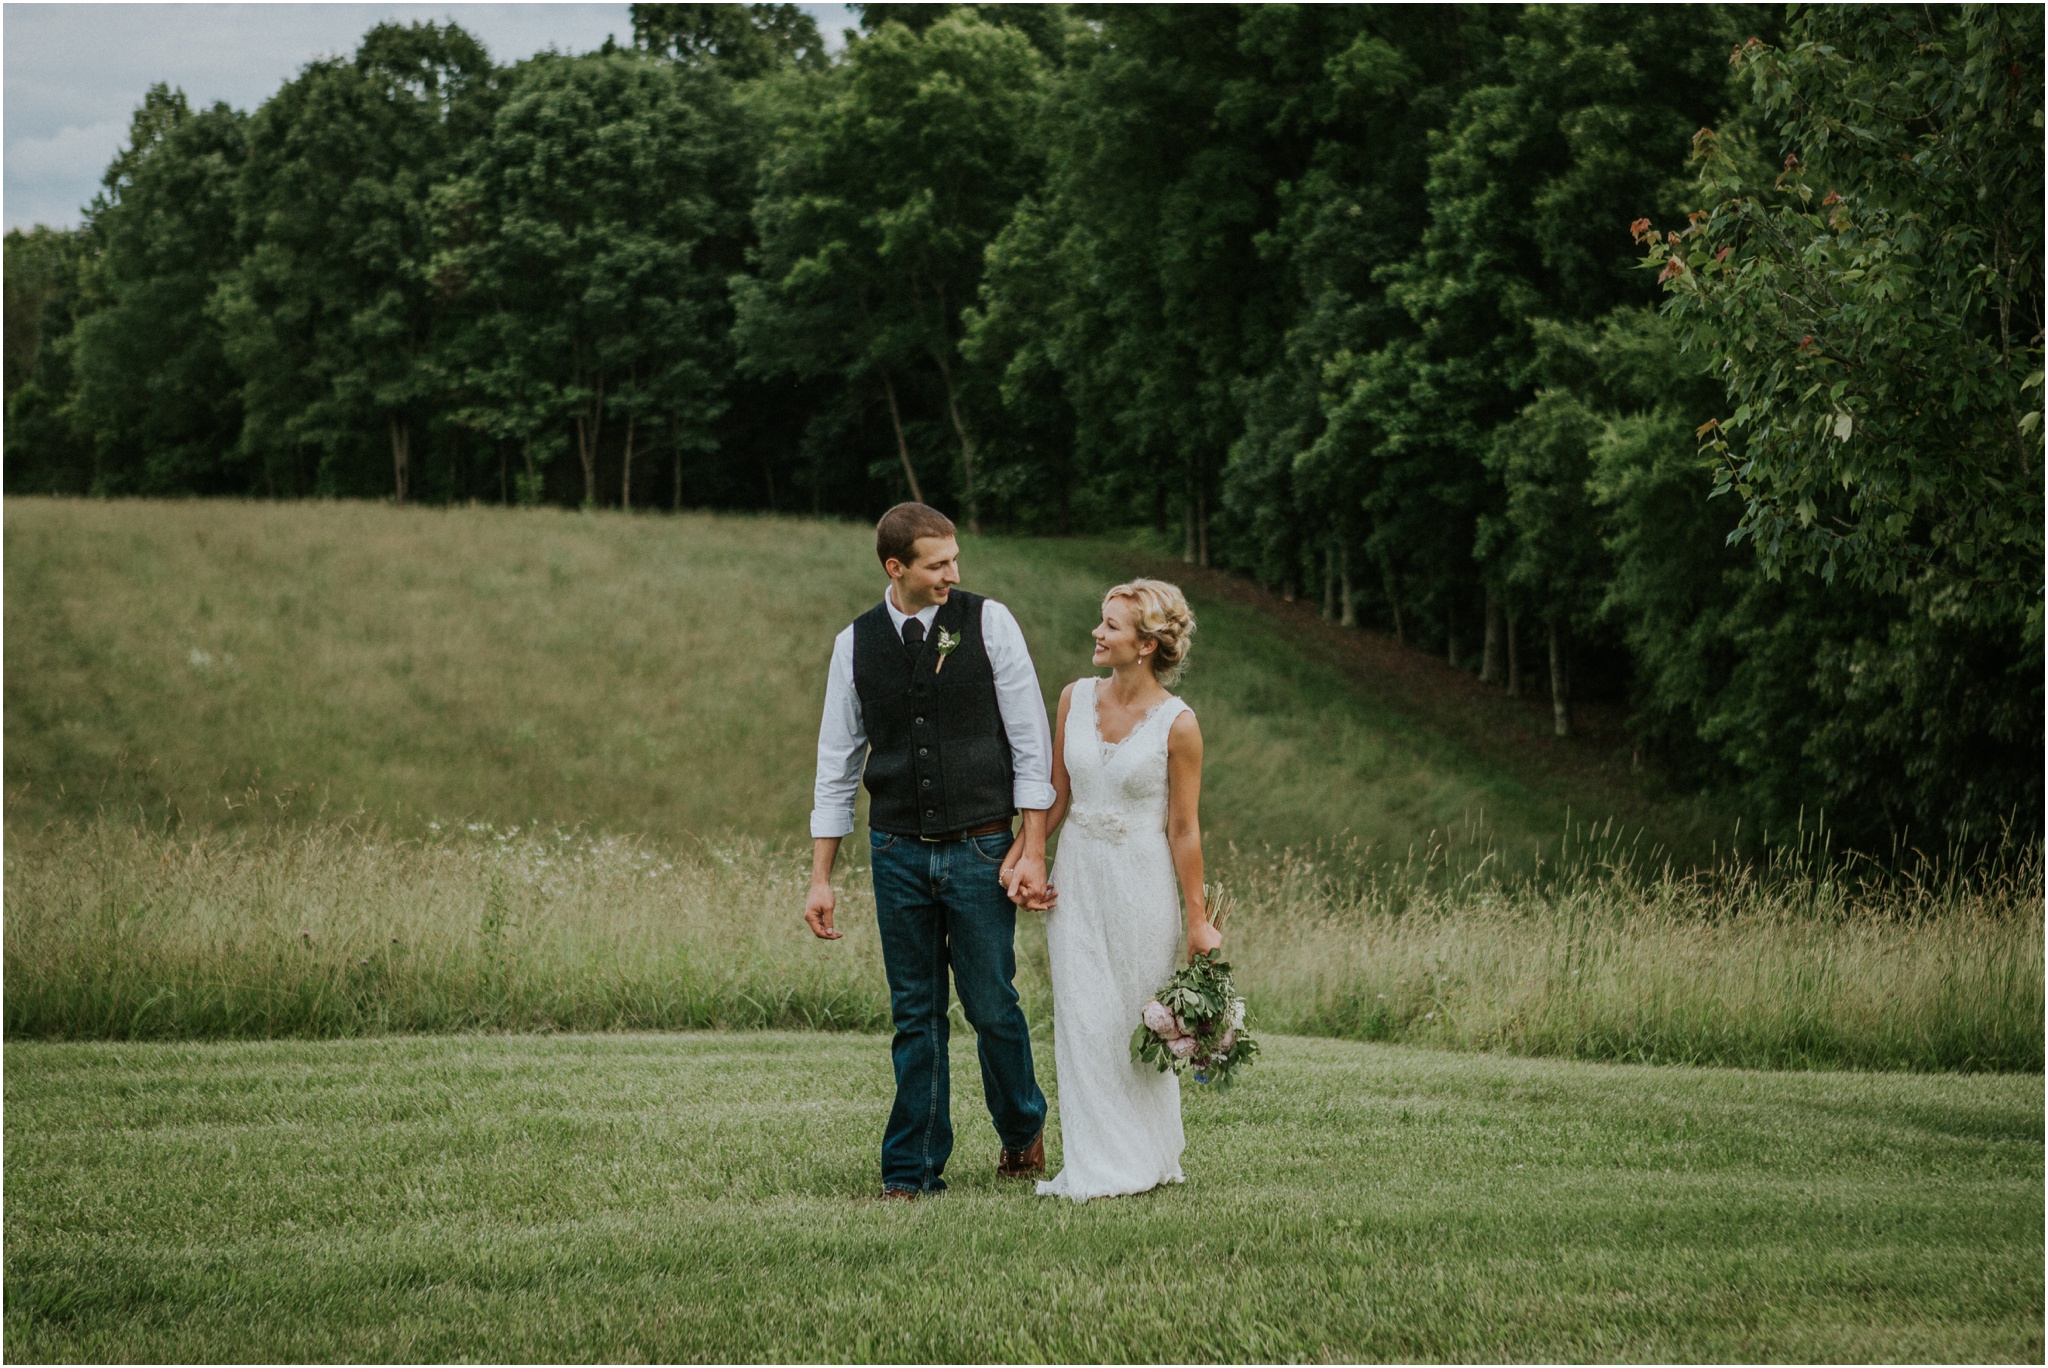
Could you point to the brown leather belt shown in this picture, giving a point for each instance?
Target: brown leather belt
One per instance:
(986, 829)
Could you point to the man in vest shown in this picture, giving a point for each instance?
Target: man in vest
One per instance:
(933, 700)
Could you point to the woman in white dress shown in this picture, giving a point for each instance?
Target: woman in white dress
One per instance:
(1127, 778)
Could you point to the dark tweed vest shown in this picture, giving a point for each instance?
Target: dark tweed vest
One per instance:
(938, 757)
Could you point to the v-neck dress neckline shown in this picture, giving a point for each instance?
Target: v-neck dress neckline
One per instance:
(1109, 747)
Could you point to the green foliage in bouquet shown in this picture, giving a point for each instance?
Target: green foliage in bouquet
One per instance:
(1196, 1023)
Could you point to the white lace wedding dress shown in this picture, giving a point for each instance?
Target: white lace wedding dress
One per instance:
(1114, 936)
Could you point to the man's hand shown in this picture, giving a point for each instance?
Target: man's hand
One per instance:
(1027, 884)
(818, 912)
(1023, 872)
(818, 907)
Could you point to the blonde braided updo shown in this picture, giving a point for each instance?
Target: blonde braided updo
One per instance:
(1164, 619)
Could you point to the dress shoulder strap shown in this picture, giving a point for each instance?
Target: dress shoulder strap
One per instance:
(1168, 711)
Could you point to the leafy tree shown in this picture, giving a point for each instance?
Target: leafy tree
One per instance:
(876, 207)
(45, 452)
(1875, 308)
(42, 263)
(330, 316)
(1359, 210)
(741, 41)
(1047, 27)
(1585, 108)
(583, 241)
(155, 393)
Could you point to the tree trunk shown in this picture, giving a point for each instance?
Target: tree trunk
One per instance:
(1329, 585)
(626, 469)
(677, 491)
(586, 452)
(589, 429)
(1187, 519)
(532, 481)
(902, 447)
(966, 448)
(1349, 595)
(1560, 685)
(504, 479)
(1393, 600)
(1202, 529)
(401, 455)
(1490, 661)
(1514, 658)
(1451, 629)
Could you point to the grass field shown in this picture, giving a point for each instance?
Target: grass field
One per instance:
(225, 664)
(699, 1196)
(322, 930)
(414, 778)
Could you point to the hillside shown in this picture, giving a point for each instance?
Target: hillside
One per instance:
(220, 663)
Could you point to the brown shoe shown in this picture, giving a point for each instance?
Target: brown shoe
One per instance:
(898, 1195)
(1023, 1163)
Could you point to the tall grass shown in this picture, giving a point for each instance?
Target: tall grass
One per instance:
(118, 932)
(328, 929)
(1789, 963)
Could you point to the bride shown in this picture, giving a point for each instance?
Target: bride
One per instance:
(1127, 776)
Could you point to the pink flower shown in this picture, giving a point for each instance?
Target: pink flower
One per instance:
(1182, 1046)
(1181, 1027)
(1160, 1021)
(1223, 1045)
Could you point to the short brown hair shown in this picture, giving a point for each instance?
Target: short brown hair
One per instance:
(897, 533)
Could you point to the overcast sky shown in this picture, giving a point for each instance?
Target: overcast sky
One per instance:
(75, 72)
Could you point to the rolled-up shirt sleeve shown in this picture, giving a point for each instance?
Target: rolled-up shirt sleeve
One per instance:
(842, 746)
(1021, 704)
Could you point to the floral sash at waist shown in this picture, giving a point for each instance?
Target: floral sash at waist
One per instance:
(1109, 826)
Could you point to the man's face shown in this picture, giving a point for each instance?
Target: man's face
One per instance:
(933, 571)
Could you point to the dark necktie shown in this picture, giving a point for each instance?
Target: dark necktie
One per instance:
(913, 639)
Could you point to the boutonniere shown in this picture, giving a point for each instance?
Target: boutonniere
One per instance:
(948, 643)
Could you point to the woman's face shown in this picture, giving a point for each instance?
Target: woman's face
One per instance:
(1116, 636)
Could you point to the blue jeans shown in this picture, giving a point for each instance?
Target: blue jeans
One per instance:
(940, 906)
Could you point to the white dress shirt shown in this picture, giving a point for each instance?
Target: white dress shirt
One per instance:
(843, 737)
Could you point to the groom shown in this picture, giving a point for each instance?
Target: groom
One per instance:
(933, 695)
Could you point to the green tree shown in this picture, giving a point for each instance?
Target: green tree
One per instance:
(586, 240)
(741, 41)
(331, 317)
(1295, 483)
(1585, 108)
(155, 393)
(880, 197)
(45, 452)
(1875, 307)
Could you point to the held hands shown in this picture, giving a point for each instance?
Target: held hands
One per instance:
(818, 912)
(1023, 879)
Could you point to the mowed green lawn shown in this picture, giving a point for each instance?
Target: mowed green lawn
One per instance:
(643, 1197)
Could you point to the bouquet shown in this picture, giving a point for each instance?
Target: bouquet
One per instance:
(1196, 1023)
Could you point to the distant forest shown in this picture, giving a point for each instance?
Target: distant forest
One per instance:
(1686, 354)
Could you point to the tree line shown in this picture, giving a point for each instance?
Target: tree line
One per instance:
(1686, 354)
